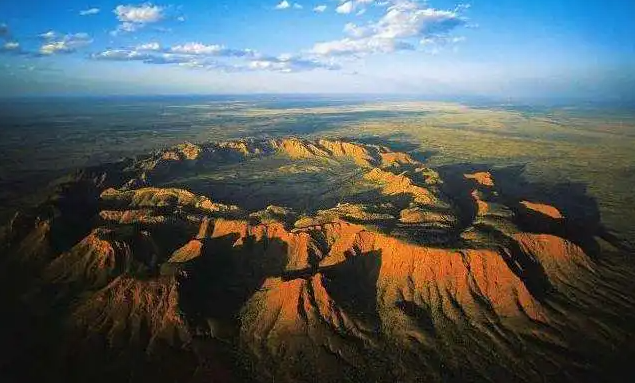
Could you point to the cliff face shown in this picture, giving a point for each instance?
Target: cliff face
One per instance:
(127, 279)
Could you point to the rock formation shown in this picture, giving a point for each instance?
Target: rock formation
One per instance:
(126, 275)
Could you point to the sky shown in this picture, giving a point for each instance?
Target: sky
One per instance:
(497, 48)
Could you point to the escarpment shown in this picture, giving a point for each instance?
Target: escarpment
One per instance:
(291, 260)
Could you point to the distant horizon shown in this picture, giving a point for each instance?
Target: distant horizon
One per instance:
(529, 101)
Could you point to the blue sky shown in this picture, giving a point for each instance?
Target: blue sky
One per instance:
(498, 48)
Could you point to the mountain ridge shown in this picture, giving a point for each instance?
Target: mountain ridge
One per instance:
(384, 271)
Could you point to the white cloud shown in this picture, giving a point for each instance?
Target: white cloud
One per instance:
(120, 55)
(142, 14)
(284, 4)
(154, 53)
(362, 46)
(127, 27)
(297, 6)
(88, 12)
(201, 56)
(402, 25)
(48, 35)
(289, 63)
(320, 8)
(348, 6)
(135, 55)
(345, 8)
(67, 44)
(353, 30)
(197, 49)
(153, 46)
(133, 17)
(11, 46)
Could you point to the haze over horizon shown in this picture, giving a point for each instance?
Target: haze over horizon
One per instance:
(437, 48)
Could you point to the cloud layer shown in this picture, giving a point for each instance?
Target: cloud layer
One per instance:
(404, 26)
(202, 56)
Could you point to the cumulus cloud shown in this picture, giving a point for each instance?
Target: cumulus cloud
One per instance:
(120, 55)
(153, 46)
(64, 44)
(187, 61)
(199, 49)
(133, 17)
(88, 12)
(142, 14)
(11, 47)
(345, 8)
(202, 56)
(348, 6)
(289, 64)
(350, 46)
(284, 4)
(404, 24)
(48, 35)
(320, 8)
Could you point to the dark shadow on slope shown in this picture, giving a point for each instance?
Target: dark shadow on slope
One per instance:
(457, 188)
(581, 211)
(353, 285)
(526, 267)
(76, 201)
(421, 315)
(217, 284)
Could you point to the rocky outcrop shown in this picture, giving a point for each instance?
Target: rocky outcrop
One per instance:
(544, 209)
(400, 184)
(481, 178)
(562, 260)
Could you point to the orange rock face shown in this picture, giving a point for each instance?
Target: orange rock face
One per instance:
(481, 206)
(188, 252)
(547, 210)
(394, 184)
(482, 178)
(392, 158)
(125, 306)
(561, 259)
(407, 269)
